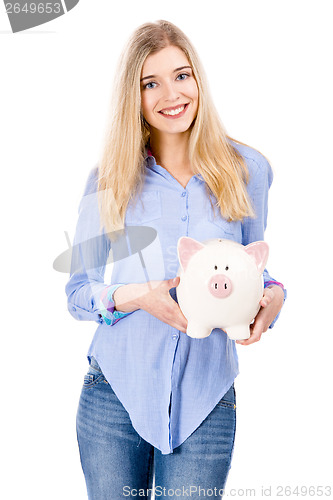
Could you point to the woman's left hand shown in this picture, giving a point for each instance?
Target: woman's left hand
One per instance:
(271, 304)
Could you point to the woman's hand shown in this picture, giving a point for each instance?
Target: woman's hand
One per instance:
(271, 304)
(154, 298)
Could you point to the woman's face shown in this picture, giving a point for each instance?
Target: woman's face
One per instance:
(169, 92)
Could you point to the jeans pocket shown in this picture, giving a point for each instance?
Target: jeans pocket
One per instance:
(93, 377)
(229, 399)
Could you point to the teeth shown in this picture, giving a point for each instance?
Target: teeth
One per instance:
(173, 111)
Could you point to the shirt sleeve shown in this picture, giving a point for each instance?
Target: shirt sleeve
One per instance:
(253, 229)
(88, 297)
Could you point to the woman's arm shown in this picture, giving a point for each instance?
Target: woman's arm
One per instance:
(253, 229)
(88, 297)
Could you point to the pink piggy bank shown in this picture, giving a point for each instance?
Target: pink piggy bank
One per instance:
(220, 286)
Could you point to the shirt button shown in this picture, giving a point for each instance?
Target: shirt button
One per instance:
(174, 337)
(184, 217)
(184, 193)
(73, 308)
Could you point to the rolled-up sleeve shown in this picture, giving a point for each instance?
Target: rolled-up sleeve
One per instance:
(253, 229)
(88, 297)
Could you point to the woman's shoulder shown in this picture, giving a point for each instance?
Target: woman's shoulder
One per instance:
(91, 182)
(257, 163)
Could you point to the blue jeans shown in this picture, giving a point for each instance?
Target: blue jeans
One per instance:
(117, 463)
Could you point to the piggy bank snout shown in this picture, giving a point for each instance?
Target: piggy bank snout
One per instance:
(220, 286)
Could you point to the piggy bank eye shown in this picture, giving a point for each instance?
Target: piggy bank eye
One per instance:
(226, 268)
(215, 267)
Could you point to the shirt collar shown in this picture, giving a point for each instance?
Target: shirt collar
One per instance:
(151, 163)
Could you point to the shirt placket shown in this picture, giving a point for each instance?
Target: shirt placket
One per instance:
(184, 217)
(184, 225)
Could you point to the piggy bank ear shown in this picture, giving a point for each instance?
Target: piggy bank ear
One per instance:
(259, 251)
(186, 248)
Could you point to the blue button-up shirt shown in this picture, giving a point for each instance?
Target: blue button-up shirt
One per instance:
(167, 381)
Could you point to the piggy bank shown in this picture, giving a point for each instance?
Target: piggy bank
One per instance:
(220, 286)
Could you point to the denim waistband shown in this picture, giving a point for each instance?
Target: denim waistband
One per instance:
(94, 364)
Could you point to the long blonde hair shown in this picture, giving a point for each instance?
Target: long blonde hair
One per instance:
(122, 163)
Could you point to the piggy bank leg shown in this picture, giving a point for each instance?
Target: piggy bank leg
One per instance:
(197, 331)
(238, 332)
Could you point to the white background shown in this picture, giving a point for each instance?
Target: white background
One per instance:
(269, 65)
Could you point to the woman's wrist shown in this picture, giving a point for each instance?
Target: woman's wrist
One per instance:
(278, 292)
(127, 297)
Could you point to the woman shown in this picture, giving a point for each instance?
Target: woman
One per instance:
(155, 402)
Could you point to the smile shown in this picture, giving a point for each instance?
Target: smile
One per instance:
(176, 112)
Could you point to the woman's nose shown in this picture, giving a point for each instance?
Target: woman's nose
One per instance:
(170, 92)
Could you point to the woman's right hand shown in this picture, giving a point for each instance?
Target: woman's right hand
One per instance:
(154, 298)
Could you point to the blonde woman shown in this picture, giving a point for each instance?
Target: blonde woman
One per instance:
(155, 402)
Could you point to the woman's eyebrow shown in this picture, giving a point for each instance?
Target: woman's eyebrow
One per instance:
(174, 71)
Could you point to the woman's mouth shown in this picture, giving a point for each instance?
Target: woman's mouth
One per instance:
(176, 112)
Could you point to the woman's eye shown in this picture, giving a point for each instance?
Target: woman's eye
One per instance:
(149, 83)
(183, 74)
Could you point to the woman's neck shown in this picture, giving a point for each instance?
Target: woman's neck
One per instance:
(171, 152)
